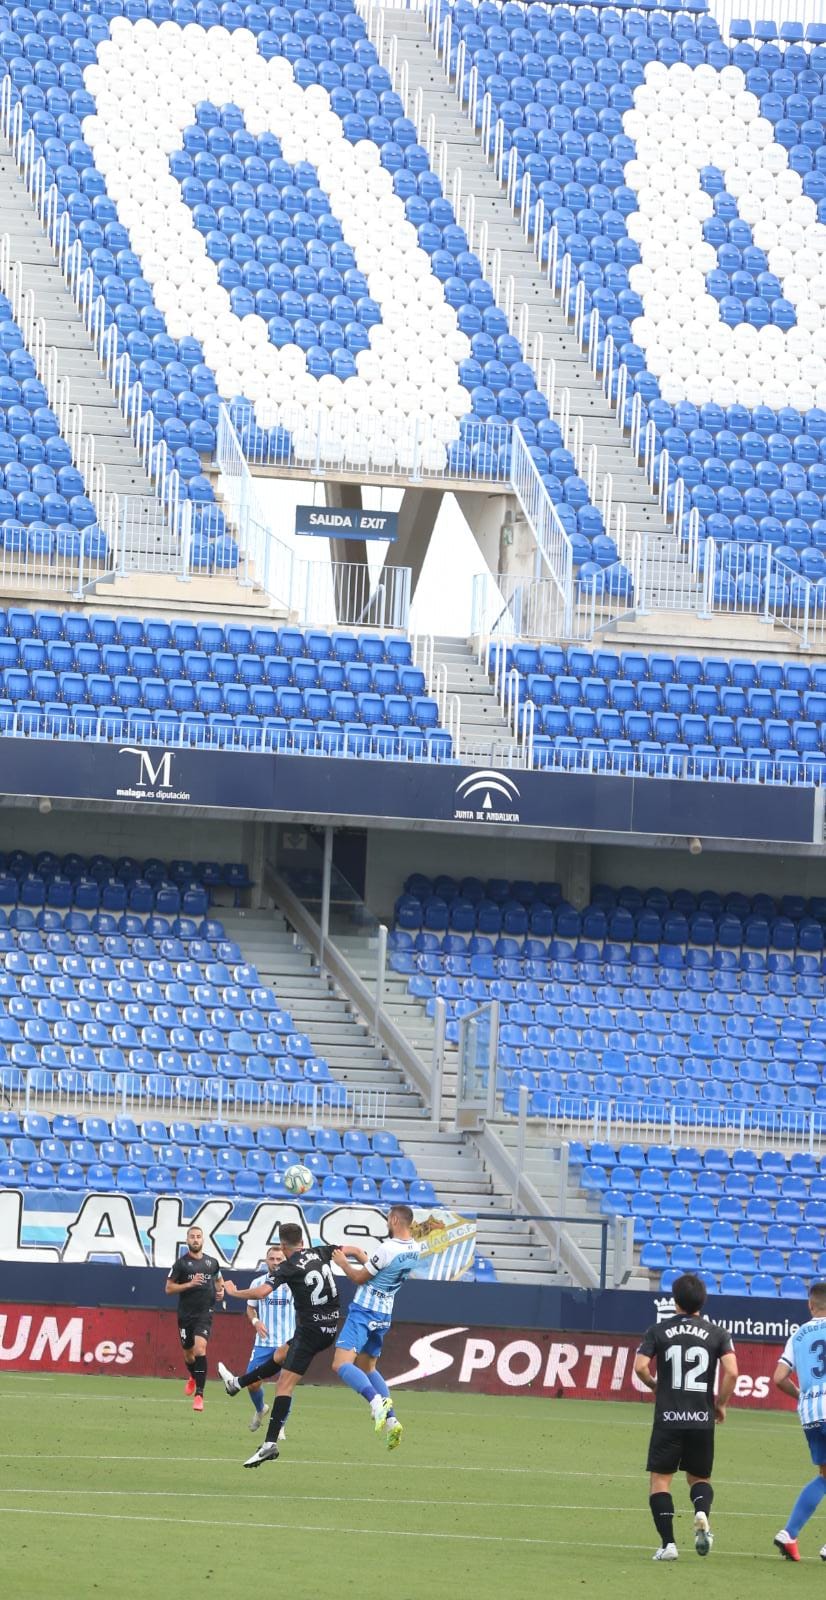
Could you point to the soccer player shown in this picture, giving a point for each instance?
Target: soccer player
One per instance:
(379, 1277)
(805, 1356)
(274, 1322)
(196, 1280)
(309, 1276)
(688, 1350)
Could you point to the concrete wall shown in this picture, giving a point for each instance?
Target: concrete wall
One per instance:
(724, 872)
(110, 834)
(391, 857)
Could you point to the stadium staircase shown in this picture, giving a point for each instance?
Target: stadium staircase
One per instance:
(449, 1160)
(77, 360)
(630, 487)
(484, 730)
(149, 559)
(563, 1195)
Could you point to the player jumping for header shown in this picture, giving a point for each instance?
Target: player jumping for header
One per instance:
(379, 1277)
(308, 1274)
(196, 1279)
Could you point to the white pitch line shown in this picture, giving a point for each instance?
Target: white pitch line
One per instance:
(369, 1500)
(360, 1466)
(360, 1533)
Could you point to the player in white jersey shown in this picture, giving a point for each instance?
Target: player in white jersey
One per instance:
(273, 1319)
(805, 1356)
(379, 1277)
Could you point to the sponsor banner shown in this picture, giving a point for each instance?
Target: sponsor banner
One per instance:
(469, 799)
(145, 1344)
(334, 522)
(573, 1366)
(110, 1227)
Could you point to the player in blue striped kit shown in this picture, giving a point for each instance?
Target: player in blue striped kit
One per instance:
(805, 1356)
(274, 1322)
(378, 1277)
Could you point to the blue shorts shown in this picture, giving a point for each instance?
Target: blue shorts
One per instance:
(363, 1331)
(816, 1440)
(261, 1352)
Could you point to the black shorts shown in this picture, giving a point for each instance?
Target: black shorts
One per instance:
(681, 1450)
(305, 1344)
(192, 1328)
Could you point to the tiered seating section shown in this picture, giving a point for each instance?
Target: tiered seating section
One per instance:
(44, 509)
(152, 1157)
(68, 675)
(710, 716)
(699, 1008)
(587, 96)
(264, 244)
(139, 1005)
(750, 1224)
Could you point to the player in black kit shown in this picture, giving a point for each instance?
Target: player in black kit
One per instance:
(687, 1349)
(197, 1280)
(309, 1276)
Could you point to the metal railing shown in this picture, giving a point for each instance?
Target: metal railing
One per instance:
(777, 11)
(333, 1103)
(319, 592)
(675, 1123)
(103, 333)
(329, 441)
(550, 535)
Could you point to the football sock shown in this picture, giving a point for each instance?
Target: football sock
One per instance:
(662, 1510)
(702, 1495)
(257, 1398)
(381, 1388)
(265, 1369)
(199, 1373)
(806, 1505)
(278, 1416)
(358, 1380)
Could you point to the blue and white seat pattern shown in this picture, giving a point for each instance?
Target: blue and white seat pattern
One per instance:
(686, 179)
(705, 1008)
(735, 718)
(748, 1223)
(45, 513)
(66, 675)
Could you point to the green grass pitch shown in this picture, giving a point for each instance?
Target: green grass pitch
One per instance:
(113, 1487)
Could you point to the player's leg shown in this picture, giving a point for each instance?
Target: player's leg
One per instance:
(188, 1349)
(268, 1367)
(809, 1498)
(256, 1390)
(664, 1452)
(354, 1342)
(701, 1495)
(697, 1462)
(199, 1366)
(385, 1415)
(303, 1347)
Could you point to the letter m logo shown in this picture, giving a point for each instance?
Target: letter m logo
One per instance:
(151, 776)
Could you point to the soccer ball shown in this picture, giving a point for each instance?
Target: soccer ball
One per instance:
(298, 1179)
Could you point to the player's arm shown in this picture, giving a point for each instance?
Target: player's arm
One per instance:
(642, 1369)
(728, 1379)
(642, 1360)
(784, 1381)
(253, 1293)
(175, 1285)
(219, 1284)
(356, 1273)
(251, 1313)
